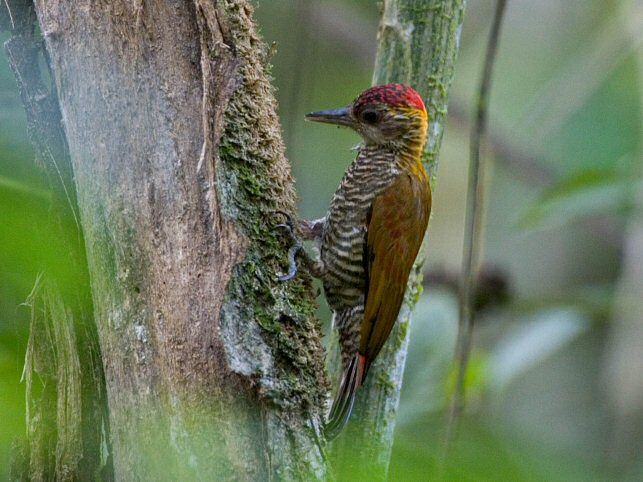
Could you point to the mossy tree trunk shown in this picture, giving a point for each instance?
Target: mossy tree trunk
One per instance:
(418, 43)
(213, 369)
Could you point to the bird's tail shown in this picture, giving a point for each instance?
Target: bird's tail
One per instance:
(345, 397)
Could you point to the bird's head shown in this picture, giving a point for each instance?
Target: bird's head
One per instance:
(384, 114)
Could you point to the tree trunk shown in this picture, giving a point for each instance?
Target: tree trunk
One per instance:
(213, 369)
(418, 43)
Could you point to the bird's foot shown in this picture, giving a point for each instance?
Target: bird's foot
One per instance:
(296, 246)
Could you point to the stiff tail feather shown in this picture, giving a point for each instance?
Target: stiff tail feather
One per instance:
(342, 407)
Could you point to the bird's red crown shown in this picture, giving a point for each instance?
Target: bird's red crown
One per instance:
(395, 95)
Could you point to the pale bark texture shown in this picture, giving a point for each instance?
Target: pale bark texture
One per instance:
(418, 42)
(213, 369)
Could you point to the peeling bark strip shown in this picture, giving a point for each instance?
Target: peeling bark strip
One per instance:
(67, 431)
(418, 43)
(213, 369)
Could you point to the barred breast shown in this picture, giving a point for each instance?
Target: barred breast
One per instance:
(343, 241)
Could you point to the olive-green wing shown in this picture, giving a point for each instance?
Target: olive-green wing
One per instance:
(395, 228)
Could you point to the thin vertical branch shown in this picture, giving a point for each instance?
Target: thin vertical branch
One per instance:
(418, 45)
(475, 201)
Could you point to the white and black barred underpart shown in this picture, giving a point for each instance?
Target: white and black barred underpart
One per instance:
(343, 243)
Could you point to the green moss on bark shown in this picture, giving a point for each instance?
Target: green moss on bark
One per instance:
(283, 350)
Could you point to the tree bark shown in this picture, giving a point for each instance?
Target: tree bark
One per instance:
(418, 42)
(213, 369)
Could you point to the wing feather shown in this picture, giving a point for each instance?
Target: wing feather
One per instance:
(395, 229)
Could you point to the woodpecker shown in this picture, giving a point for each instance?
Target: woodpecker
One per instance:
(372, 232)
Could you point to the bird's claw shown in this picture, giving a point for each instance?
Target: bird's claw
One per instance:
(289, 226)
(289, 222)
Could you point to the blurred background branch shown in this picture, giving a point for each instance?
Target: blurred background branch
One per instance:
(473, 229)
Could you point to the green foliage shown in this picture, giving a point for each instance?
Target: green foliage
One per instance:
(584, 194)
(475, 379)
(23, 207)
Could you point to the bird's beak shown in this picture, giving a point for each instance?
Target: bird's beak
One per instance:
(341, 117)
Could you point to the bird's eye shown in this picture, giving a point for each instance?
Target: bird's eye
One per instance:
(370, 116)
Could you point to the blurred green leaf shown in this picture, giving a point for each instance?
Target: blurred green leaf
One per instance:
(476, 378)
(535, 339)
(584, 194)
(9, 184)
